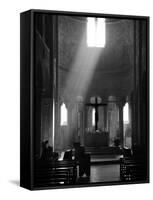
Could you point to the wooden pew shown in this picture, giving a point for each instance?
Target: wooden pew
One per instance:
(132, 169)
(49, 173)
(133, 166)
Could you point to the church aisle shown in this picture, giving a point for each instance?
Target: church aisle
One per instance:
(102, 173)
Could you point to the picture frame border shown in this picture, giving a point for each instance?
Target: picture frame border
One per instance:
(27, 51)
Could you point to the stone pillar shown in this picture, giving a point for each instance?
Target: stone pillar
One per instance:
(105, 118)
(73, 121)
(80, 119)
(121, 126)
(131, 120)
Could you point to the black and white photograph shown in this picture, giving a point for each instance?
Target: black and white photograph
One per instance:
(84, 99)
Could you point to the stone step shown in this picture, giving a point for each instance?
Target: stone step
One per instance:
(105, 158)
(103, 150)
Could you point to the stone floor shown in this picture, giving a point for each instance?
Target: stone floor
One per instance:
(102, 173)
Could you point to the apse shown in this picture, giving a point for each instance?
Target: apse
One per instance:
(103, 68)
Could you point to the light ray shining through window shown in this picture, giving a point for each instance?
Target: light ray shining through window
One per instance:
(96, 32)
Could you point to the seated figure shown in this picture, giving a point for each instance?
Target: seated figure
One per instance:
(47, 152)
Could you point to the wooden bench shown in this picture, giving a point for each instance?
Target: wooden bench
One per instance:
(48, 173)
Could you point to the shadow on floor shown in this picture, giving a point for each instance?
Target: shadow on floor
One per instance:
(15, 182)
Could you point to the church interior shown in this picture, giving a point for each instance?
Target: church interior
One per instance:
(90, 82)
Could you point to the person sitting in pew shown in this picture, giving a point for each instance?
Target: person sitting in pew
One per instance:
(47, 152)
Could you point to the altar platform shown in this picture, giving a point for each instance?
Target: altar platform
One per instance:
(105, 155)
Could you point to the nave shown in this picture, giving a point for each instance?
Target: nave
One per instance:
(89, 126)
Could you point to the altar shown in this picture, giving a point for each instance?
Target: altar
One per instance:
(96, 139)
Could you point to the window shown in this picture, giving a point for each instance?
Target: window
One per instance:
(93, 117)
(63, 115)
(126, 113)
(95, 32)
(127, 127)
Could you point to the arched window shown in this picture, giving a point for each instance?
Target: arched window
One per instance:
(126, 113)
(64, 115)
(127, 126)
(93, 117)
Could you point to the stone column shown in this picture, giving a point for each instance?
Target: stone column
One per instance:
(80, 119)
(105, 118)
(121, 126)
(131, 119)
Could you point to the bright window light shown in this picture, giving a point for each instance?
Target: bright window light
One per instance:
(100, 33)
(93, 117)
(126, 113)
(95, 32)
(63, 115)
